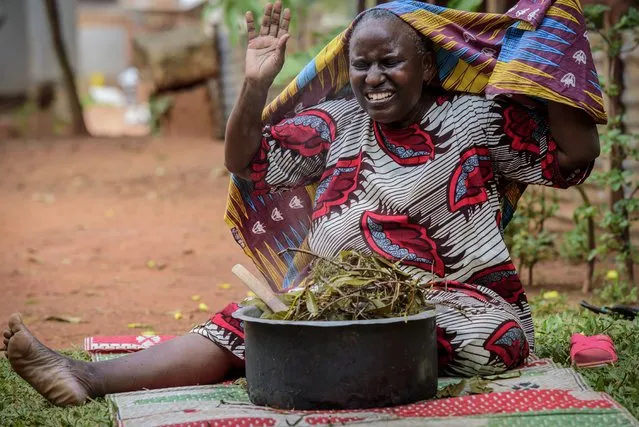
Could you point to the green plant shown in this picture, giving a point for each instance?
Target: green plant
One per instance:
(620, 146)
(22, 116)
(527, 238)
(623, 205)
(296, 61)
(308, 44)
(467, 5)
(87, 101)
(548, 303)
(159, 107)
(579, 244)
(574, 246)
(616, 291)
(233, 14)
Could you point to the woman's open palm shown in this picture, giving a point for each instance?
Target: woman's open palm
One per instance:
(265, 51)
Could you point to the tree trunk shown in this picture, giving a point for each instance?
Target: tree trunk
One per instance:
(542, 210)
(531, 283)
(3, 14)
(617, 155)
(53, 16)
(590, 274)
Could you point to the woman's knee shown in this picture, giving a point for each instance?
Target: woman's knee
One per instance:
(502, 348)
(507, 344)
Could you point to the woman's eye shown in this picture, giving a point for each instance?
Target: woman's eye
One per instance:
(359, 65)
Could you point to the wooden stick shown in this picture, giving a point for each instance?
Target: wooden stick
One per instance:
(262, 290)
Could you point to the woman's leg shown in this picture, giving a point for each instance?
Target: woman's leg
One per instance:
(478, 332)
(187, 360)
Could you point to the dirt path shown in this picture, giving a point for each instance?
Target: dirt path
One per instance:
(81, 219)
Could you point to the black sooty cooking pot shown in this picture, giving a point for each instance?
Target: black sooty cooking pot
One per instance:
(339, 364)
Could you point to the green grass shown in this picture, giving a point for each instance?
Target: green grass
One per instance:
(621, 381)
(20, 405)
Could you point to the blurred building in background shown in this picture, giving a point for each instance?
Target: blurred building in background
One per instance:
(103, 38)
(28, 58)
(106, 29)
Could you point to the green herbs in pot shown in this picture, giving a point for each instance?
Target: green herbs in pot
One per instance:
(351, 286)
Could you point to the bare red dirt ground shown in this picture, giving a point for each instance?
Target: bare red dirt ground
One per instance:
(81, 219)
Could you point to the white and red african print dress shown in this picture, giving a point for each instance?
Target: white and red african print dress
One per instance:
(429, 195)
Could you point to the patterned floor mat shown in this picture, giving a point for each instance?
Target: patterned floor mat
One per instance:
(541, 394)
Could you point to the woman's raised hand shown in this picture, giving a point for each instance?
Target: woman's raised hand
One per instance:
(265, 52)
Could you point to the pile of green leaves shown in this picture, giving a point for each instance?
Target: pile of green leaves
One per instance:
(352, 286)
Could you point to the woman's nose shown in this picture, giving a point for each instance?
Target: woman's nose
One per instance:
(375, 76)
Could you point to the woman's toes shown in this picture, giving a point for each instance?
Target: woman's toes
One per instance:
(15, 323)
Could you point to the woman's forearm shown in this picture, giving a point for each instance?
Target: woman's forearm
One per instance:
(244, 128)
(264, 59)
(575, 133)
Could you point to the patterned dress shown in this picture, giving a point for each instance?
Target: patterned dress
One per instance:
(427, 194)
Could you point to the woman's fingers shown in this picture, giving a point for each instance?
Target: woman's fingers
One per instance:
(266, 20)
(281, 43)
(250, 25)
(275, 18)
(271, 25)
(286, 20)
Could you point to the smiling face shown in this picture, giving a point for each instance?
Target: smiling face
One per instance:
(387, 69)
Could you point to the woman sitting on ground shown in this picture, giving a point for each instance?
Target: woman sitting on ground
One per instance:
(404, 171)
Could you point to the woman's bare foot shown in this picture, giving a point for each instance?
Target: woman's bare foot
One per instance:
(61, 380)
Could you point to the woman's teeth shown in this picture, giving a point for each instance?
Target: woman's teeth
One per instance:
(379, 96)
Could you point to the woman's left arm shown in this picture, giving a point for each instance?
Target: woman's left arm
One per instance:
(576, 136)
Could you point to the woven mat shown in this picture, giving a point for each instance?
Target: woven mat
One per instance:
(541, 394)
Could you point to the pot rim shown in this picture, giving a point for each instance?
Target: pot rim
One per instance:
(249, 313)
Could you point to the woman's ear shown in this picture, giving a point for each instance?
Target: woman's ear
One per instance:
(430, 67)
